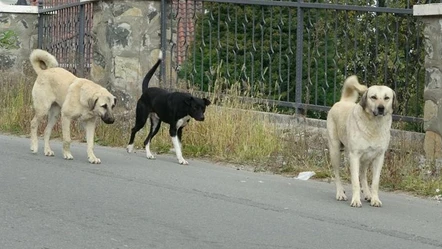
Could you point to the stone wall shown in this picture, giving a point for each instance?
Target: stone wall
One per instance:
(22, 32)
(433, 84)
(127, 44)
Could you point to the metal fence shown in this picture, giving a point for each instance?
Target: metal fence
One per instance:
(296, 54)
(64, 29)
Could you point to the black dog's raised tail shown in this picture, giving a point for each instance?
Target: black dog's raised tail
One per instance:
(151, 72)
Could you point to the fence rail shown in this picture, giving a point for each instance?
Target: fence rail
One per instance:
(296, 54)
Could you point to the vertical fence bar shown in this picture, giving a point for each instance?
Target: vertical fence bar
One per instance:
(299, 50)
(81, 55)
(163, 41)
(40, 24)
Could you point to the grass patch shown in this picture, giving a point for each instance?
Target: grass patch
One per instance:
(234, 133)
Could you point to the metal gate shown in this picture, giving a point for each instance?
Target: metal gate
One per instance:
(64, 30)
(296, 54)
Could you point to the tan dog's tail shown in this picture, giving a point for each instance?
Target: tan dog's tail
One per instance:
(42, 60)
(352, 88)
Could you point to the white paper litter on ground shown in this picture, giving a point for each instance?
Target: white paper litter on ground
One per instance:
(305, 175)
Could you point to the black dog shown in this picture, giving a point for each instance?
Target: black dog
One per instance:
(174, 108)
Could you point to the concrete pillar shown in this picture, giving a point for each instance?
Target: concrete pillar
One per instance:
(431, 15)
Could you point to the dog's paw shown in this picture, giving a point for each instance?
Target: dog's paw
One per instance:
(356, 202)
(68, 156)
(375, 202)
(130, 148)
(341, 196)
(34, 148)
(150, 156)
(94, 160)
(367, 197)
(183, 161)
(49, 152)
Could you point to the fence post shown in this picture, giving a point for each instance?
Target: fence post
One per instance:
(40, 24)
(431, 17)
(299, 51)
(80, 54)
(163, 42)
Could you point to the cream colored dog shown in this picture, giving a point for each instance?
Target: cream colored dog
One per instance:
(364, 130)
(57, 90)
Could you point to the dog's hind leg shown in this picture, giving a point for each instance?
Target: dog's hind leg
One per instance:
(334, 147)
(41, 109)
(34, 129)
(335, 158)
(53, 113)
(155, 124)
(140, 121)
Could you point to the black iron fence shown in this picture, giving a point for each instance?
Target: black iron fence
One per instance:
(296, 54)
(64, 29)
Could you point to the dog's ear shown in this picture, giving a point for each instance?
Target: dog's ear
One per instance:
(206, 101)
(188, 100)
(394, 104)
(115, 101)
(91, 103)
(363, 101)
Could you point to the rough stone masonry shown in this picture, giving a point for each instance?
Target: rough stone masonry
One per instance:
(127, 43)
(433, 84)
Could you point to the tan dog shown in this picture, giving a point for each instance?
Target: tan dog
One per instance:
(364, 130)
(57, 90)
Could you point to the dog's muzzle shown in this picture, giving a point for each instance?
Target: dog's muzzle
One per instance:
(108, 119)
(380, 111)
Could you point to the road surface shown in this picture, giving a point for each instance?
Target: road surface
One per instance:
(129, 201)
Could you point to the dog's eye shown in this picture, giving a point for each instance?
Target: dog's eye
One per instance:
(386, 98)
(373, 98)
(104, 106)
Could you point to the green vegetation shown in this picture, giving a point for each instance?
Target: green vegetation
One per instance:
(256, 46)
(8, 39)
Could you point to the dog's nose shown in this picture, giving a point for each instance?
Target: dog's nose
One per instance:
(381, 110)
(108, 120)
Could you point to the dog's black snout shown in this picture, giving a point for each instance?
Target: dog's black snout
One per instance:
(199, 117)
(381, 109)
(108, 120)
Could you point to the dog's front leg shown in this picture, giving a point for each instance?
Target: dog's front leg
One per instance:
(377, 167)
(354, 159)
(66, 130)
(177, 145)
(363, 174)
(90, 132)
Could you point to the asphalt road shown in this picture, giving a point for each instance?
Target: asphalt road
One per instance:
(129, 201)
